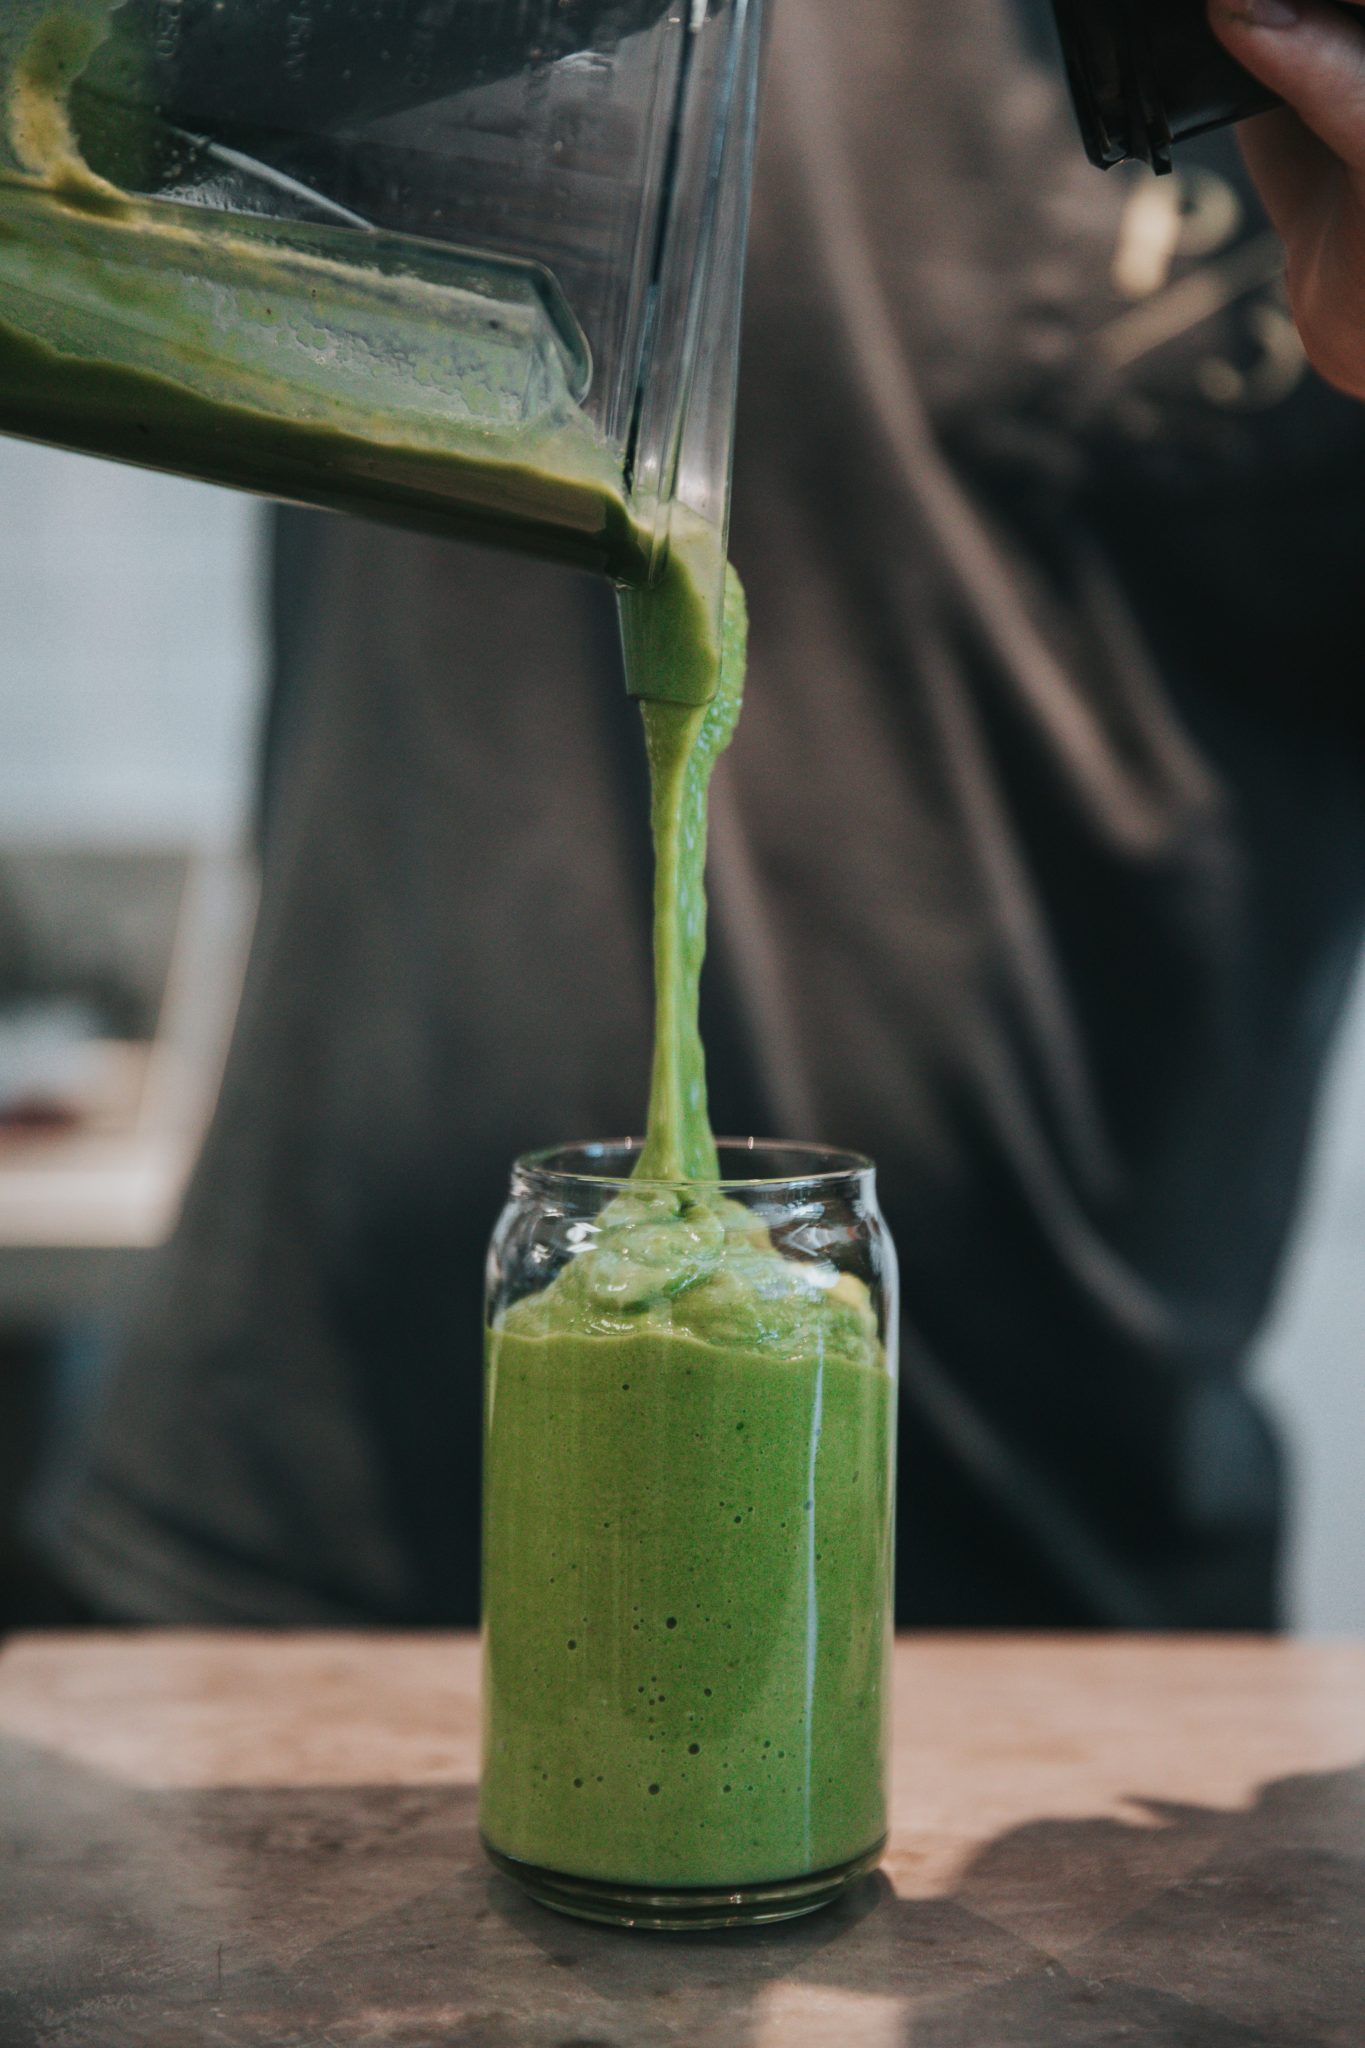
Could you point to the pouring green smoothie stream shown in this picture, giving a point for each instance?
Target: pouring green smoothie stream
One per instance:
(687, 1486)
(688, 1440)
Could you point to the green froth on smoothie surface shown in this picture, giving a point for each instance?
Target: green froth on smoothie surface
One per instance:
(692, 1263)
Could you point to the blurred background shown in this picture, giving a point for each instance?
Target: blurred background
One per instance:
(132, 677)
(132, 674)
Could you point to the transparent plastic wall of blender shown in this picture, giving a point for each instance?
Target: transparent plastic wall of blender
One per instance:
(469, 264)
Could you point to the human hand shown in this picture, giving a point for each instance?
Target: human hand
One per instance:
(1308, 160)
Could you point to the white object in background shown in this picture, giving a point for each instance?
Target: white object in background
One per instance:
(133, 653)
(69, 1199)
(50, 1058)
(824, 2016)
(1312, 1360)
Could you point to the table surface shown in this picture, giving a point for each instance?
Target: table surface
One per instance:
(267, 1841)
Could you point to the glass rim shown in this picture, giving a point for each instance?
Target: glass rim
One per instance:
(827, 1165)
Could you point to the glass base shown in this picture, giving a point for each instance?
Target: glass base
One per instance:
(678, 1908)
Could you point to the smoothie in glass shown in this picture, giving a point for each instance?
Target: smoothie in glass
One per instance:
(687, 1559)
(688, 1477)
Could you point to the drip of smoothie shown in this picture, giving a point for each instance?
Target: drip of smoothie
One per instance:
(55, 52)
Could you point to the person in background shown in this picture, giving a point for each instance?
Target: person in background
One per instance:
(1038, 870)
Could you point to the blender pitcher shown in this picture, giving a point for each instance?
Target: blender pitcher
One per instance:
(471, 265)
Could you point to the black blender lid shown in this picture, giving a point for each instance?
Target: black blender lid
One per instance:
(1145, 74)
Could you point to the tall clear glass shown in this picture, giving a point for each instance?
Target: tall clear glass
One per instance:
(469, 264)
(688, 1499)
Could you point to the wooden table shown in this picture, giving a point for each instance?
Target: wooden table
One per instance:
(270, 1840)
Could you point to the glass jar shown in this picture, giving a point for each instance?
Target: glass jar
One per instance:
(688, 1499)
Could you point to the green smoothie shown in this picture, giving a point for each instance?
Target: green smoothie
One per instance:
(687, 1477)
(655, 1718)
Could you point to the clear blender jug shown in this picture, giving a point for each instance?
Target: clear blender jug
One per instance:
(472, 265)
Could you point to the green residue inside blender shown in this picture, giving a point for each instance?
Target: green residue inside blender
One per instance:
(375, 373)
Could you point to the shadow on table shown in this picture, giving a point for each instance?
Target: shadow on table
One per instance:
(365, 1917)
